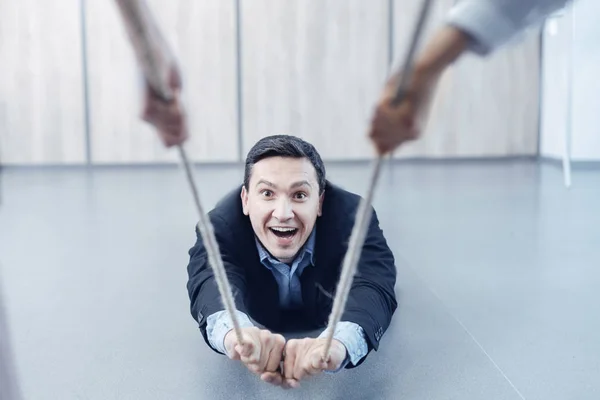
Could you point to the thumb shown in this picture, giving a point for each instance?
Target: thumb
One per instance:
(245, 349)
(317, 361)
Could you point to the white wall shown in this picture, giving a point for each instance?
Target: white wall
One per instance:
(572, 39)
(484, 106)
(311, 68)
(586, 80)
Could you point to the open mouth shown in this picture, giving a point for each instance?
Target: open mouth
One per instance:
(284, 233)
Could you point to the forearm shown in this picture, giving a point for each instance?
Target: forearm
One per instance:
(441, 51)
(480, 26)
(150, 47)
(448, 43)
(139, 21)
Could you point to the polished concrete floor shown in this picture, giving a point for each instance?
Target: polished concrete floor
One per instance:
(498, 282)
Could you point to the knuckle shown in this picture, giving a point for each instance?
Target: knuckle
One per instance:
(292, 344)
(279, 340)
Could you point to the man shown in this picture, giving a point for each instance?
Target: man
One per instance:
(283, 235)
(480, 26)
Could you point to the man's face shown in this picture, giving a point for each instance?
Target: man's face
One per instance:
(283, 203)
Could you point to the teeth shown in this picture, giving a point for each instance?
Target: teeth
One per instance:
(284, 229)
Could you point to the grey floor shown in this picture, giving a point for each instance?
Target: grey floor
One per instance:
(498, 282)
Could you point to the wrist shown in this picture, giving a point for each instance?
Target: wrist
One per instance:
(341, 346)
(227, 341)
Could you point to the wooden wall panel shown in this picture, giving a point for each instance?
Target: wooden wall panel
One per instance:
(41, 92)
(202, 34)
(484, 106)
(313, 69)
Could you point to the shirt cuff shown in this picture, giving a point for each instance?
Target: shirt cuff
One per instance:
(352, 336)
(484, 22)
(219, 324)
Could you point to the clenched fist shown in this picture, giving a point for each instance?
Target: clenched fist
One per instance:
(304, 357)
(261, 352)
(393, 125)
(167, 116)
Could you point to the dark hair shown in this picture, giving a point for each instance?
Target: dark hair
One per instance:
(284, 146)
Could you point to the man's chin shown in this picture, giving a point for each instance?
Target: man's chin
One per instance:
(283, 255)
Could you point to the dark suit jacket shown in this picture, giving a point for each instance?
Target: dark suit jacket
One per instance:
(371, 301)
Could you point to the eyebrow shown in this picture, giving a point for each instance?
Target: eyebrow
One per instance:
(293, 186)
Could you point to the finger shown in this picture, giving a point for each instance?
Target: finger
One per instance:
(266, 340)
(317, 364)
(290, 358)
(274, 378)
(290, 384)
(171, 138)
(312, 364)
(174, 132)
(300, 362)
(160, 114)
(276, 353)
(155, 102)
(247, 352)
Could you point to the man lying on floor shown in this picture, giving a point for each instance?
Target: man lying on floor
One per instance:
(283, 235)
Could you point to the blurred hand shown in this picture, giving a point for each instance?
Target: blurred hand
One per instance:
(392, 125)
(168, 117)
(261, 352)
(304, 358)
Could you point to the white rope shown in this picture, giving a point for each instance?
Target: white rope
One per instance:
(152, 52)
(349, 266)
(364, 212)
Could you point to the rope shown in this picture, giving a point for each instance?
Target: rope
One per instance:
(350, 263)
(364, 212)
(150, 51)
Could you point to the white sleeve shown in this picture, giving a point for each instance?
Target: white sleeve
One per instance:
(492, 23)
(219, 323)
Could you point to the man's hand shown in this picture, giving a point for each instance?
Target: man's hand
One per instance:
(261, 352)
(304, 357)
(168, 117)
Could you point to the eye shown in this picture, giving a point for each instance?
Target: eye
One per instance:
(300, 196)
(266, 193)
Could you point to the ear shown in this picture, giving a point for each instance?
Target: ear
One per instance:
(244, 196)
(321, 198)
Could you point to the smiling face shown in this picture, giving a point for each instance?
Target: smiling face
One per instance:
(283, 203)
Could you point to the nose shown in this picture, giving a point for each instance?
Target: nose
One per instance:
(283, 210)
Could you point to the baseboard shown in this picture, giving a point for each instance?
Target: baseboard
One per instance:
(226, 164)
(575, 164)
